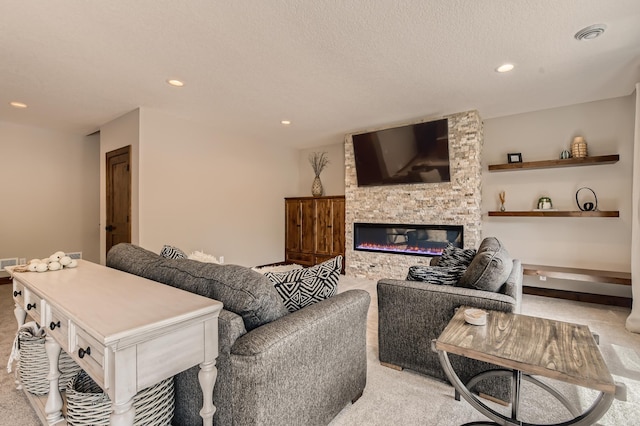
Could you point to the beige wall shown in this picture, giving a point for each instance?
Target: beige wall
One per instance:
(121, 132)
(200, 190)
(49, 186)
(332, 177)
(593, 243)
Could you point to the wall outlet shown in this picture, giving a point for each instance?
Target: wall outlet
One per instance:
(221, 259)
(543, 277)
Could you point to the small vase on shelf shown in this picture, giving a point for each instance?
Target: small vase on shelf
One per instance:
(502, 207)
(316, 187)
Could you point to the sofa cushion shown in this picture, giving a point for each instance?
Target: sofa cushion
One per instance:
(490, 267)
(442, 275)
(171, 252)
(303, 287)
(241, 290)
(455, 256)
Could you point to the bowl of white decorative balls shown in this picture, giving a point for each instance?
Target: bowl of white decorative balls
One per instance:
(57, 261)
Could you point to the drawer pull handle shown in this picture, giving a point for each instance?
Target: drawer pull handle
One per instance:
(31, 305)
(82, 352)
(17, 293)
(53, 325)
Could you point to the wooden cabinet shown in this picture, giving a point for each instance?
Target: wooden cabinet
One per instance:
(314, 229)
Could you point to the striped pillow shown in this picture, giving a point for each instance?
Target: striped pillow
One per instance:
(441, 275)
(171, 252)
(455, 256)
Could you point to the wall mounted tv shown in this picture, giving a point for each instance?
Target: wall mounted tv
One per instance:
(416, 153)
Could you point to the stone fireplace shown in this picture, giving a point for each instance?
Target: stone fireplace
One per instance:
(398, 209)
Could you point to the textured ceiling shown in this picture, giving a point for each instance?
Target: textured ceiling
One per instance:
(331, 67)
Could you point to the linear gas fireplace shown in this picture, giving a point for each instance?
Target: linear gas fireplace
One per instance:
(415, 240)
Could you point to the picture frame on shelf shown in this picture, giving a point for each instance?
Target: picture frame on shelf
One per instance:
(514, 158)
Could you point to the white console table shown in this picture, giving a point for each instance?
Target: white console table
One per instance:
(126, 332)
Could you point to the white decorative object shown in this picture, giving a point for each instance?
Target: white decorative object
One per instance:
(55, 266)
(57, 261)
(278, 268)
(203, 257)
(475, 316)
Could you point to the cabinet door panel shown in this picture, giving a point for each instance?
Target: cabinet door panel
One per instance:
(337, 219)
(308, 232)
(293, 225)
(324, 224)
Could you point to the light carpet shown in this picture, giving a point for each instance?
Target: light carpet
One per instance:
(406, 398)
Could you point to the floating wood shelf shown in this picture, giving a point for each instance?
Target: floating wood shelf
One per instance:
(549, 164)
(578, 274)
(555, 213)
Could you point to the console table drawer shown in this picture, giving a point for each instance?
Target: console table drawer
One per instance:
(33, 306)
(18, 293)
(57, 326)
(89, 354)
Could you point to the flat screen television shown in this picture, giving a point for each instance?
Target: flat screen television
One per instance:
(415, 153)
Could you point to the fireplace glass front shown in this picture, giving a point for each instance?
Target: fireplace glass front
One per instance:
(415, 240)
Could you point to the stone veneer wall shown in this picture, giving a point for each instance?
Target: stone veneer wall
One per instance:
(450, 203)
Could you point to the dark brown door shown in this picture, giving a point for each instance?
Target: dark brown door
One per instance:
(118, 227)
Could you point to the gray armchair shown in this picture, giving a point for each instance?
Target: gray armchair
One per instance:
(412, 314)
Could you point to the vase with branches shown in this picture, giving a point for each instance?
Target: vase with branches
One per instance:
(319, 162)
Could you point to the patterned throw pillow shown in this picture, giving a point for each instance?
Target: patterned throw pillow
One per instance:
(441, 275)
(455, 256)
(304, 287)
(171, 252)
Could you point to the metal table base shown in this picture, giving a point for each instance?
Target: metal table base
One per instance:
(590, 416)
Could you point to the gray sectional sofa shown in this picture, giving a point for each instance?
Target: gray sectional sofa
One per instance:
(413, 313)
(274, 367)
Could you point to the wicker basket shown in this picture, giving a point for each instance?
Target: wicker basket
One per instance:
(33, 366)
(88, 405)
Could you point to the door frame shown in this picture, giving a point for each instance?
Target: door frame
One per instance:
(108, 191)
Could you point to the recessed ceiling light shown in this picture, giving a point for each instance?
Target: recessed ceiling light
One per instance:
(175, 83)
(18, 104)
(285, 122)
(590, 32)
(505, 68)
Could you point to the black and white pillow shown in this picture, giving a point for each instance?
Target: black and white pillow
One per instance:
(441, 275)
(455, 256)
(304, 287)
(171, 252)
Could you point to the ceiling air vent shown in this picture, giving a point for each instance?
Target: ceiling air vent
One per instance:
(590, 32)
